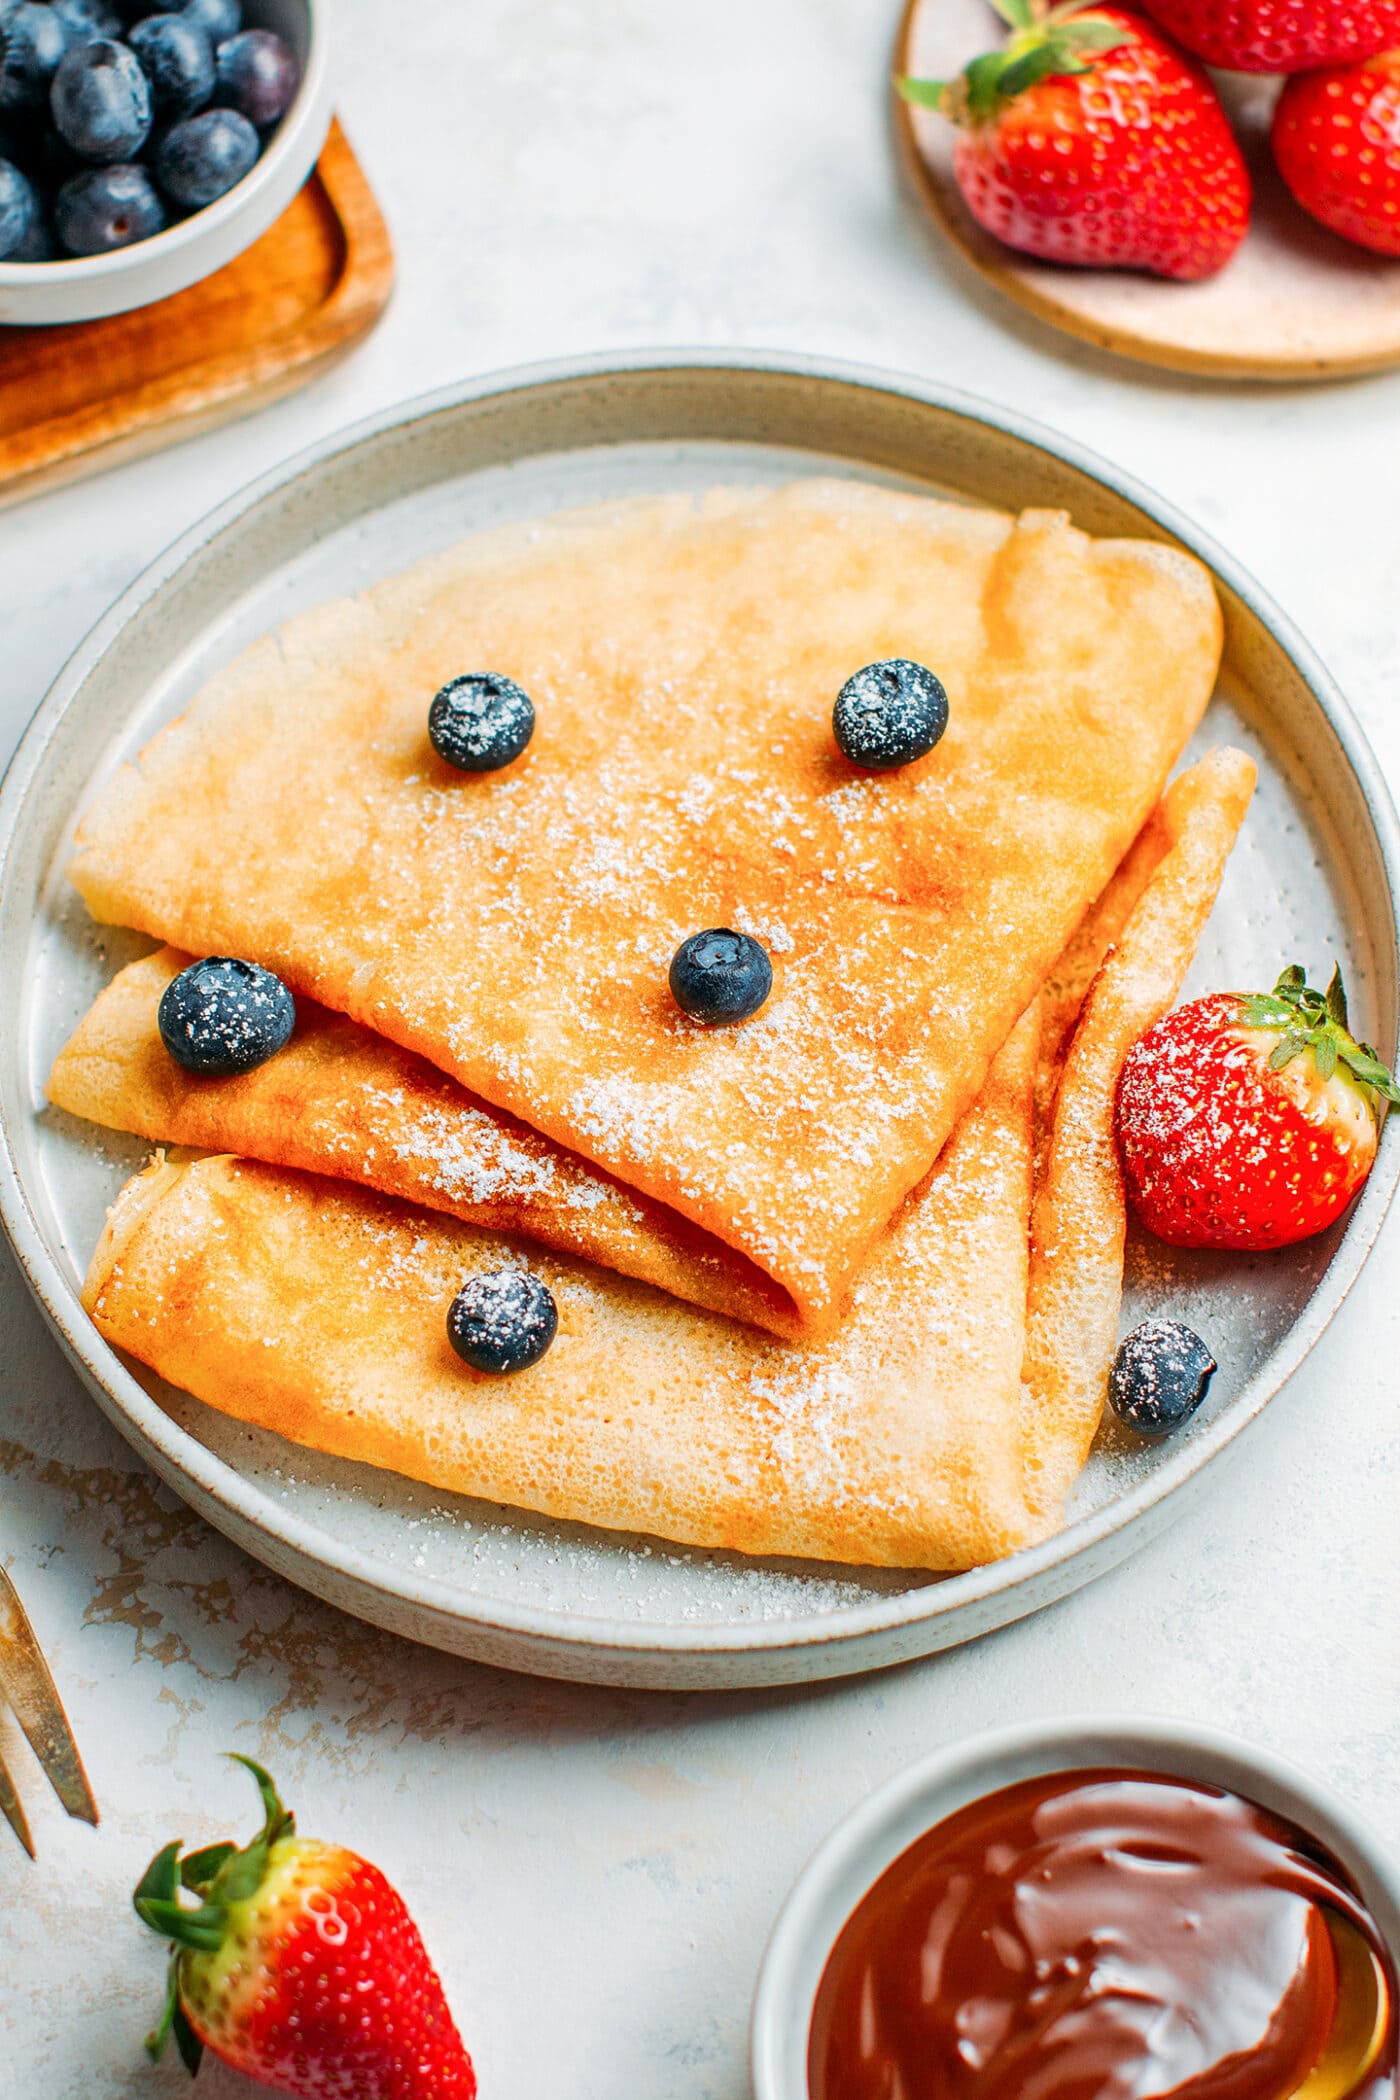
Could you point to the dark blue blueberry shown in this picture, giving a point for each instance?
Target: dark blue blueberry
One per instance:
(889, 714)
(32, 43)
(502, 1320)
(101, 101)
(220, 1017)
(84, 19)
(200, 160)
(38, 244)
(258, 76)
(480, 722)
(107, 208)
(1159, 1378)
(719, 976)
(219, 19)
(19, 211)
(177, 59)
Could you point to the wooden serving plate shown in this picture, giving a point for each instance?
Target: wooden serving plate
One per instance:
(1296, 302)
(76, 399)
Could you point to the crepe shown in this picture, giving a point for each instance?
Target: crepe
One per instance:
(516, 929)
(342, 1101)
(1079, 1223)
(318, 1310)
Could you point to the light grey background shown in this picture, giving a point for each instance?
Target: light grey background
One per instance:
(596, 1872)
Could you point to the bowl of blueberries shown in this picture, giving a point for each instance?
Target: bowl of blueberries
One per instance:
(145, 143)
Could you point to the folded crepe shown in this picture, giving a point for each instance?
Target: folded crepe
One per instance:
(1079, 1221)
(318, 1310)
(933, 1430)
(515, 929)
(342, 1101)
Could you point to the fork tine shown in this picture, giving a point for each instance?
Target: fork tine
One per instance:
(29, 1688)
(13, 1813)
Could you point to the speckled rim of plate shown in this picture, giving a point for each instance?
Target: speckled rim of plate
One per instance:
(881, 420)
(852, 1858)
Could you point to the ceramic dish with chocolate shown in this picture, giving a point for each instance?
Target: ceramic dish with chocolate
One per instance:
(1117, 1909)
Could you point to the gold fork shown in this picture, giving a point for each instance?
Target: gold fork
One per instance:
(28, 1689)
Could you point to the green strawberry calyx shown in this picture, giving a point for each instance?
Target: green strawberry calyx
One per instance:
(187, 1901)
(1041, 46)
(1316, 1022)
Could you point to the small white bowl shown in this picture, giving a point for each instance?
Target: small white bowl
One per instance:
(859, 1850)
(88, 287)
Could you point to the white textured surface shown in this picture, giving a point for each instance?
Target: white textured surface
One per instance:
(596, 1872)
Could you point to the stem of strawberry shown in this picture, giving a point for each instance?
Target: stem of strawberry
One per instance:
(1038, 49)
(219, 1876)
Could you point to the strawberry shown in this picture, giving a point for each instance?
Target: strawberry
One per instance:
(297, 1963)
(1249, 1121)
(1279, 36)
(1091, 139)
(1336, 138)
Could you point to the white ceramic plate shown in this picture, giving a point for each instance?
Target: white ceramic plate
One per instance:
(1312, 879)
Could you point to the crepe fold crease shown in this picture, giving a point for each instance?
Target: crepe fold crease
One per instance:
(515, 929)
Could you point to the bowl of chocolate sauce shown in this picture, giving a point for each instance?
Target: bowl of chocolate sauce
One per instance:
(1094, 1910)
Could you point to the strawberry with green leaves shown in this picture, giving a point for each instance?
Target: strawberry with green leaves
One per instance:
(1250, 1121)
(1090, 138)
(297, 1963)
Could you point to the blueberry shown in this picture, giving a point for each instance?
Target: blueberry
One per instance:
(200, 160)
(1159, 1378)
(502, 1320)
(889, 714)
(258, 76)
(177, 59)
(720, 976)
(219, 19)
(32, 43)
(19, 211)
(107, 208)
(38, 244)
(480, 722)
(84, 19)
(220, 1017)
(101, 101)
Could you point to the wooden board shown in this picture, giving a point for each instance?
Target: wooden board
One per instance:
(78, 398)
(1295, 303)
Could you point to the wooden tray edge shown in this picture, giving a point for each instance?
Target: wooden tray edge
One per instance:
(200, 397)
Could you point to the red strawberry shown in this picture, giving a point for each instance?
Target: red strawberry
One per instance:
(1249, 1121)
(1336, 139)
(1091, 139)
(300, 1965)
(1279, 36)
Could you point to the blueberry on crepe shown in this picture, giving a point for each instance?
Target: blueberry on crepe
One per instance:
(221, 1016)
(480, 722)
(719, 977)
(889, 714)
(502, 1320)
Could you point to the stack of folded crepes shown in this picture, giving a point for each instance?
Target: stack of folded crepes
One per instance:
(842, 1281)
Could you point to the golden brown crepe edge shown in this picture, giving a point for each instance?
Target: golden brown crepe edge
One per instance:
(1079, 1219)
